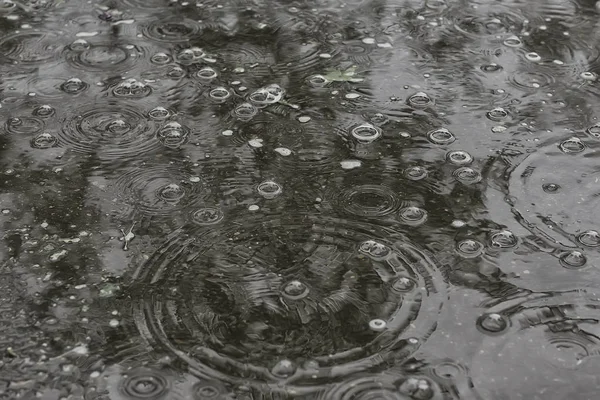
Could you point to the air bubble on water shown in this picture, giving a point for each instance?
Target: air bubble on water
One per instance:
(245, 111)
(256, 143)
(503, 239)
(469, 248)
(295, 290)
(44, 111)
(413, 216)
(173, 134)
(304, 118)
(440, 136)
(283, 151)
(467, 175)
(533, 57)
(284, 368)
(160, 58)
(375, 250)
(594, 130)
(73, 86)
(420, 100)
(550, 187)
(457, 223)
(497, 114)
(131, 87)
(190, 56)
(113, 323)
(573, 259)
(459, 157)
(493, 67)
(206, 73)
(80, 45)
(492, 323)
(171, 192)
(318, 80)
(176, 73)
(350, 164)
(498, 129)
(159, 113)
(513, 41)
(588, 76)
(416, 173)
(253, 207)
(325, 55)
(377, 325)
(43, 141)
(366, 133)
(572, 145)
(207, 216)
(269, 189)
(589, 238)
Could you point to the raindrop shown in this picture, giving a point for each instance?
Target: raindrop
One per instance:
(497, 114)
(550, 187)
(366, 133)
(589, 238)
(219, 94)
(159, 113)
(573, 259)
(269, 94)
(377, 325)
(160, 58)
(318, 81)
(7, 6)
(588, 76)
(533, 57)
(269, 189)
(131, 88)
(491, 67)
(284, 368)
(80, 45)
(492, 323)
(503, 239)
(412, 216)
(23, 125)
(176, 73)
(440, 136)
(44, 111)
(207, 216)
(594, 130)
(245, 111)
(459, 157)
(469, 248)
(467, 175)
(208, 390)
(145, 384)
(295, 290)
(572, 145)
(420, 100)
(416, 173)
(404, 284)
(43, 141)
(377, 251)
(206, 74)
(171, 193)
(283, 151)
(418, 388)
(513, 41)
(73, 86)
(173, 135)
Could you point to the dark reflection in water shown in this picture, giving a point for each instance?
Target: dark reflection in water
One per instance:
(296, 199)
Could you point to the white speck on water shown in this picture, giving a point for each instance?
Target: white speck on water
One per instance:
(283, 151)
(227, 132)
(368, 41)
(304, 118)
(325, 55)
(195, 179)
(87, 34)
(255, 143)
(352, 96)
(253, 207)
(113, 323)
(350, 164)
(384, 45)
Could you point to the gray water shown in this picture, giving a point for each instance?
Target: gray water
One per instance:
(299, 200)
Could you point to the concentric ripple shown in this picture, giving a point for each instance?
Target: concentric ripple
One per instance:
(557, 331)
(23, 125)
(274, 303)
(99, 57)
(162, 191)
(30, 47)
(171, 31)
(369, 200)
(111, 130)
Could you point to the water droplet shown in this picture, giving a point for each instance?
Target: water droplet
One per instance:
(513, 41)
(206, 74)
(533, 57)
(219, 94)
(160, 58)
(80, 45)
(573, 259)
(492, 323)
(283, 151)
(420, 100)
(459, 157)
(418, 389)
(304, 118)
(284, 368)
(208, 390)
(43, 141)
(207, 216)
(469, 248)
(159, 114)
(404, 284)
(377, 251)
(269, 94)
(588, 76)
(377, 325)
(366, 133)
(131, 88)
(594, 130)
(44, 111)
(412, 216)
(173, 135)
(350, 164)
(503, 239)
(269, 189)
(416, 173)
(550, 187)
(441, 136)
(467, 175)
(171, 193)
(497, 114)
(491, 68)
(295, 290)
(245, 111)
(572, 145)
(145, 384)
(73, 86)
(589, 238)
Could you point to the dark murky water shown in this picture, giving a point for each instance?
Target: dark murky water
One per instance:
(299, 200)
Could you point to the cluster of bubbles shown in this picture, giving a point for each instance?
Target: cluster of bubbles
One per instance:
(131, 88)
